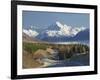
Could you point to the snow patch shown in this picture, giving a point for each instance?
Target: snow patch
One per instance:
(31, 33)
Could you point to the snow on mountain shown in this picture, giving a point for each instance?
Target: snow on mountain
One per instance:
(64, 30)
(30, 32)
(81, 36)
(57, 32)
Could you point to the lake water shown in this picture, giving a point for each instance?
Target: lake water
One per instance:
(80, 60)
(75, 61)
(72, 42)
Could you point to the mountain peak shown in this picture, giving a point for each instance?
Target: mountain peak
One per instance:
(30, 32)
(59, 24)
(61, 30)
(57, 30)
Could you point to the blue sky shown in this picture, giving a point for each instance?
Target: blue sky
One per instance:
(45, 19)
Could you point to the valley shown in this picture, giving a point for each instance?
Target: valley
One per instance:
(37, 55)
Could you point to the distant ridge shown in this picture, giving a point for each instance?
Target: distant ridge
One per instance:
(27, 38)
(57, 32)
(81, 36)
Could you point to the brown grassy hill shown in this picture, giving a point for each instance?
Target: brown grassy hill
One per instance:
(28, 61)
(27, 38)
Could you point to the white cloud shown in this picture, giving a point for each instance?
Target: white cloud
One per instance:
(64, 30)
(31, 33)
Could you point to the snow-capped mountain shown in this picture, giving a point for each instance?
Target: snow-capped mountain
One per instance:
(81, 36)
(64, 30)
(30, 32)
(59, 32)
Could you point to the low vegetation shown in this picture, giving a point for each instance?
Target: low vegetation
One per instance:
(33, 51)
(65, 51)
(31, 48)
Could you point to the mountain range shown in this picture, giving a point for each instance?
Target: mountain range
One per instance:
(59, 32)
